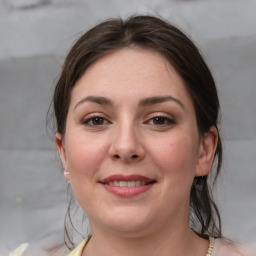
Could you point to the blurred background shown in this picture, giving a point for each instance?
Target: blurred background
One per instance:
(35, 36)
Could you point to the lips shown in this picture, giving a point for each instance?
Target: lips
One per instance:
(132, 183)
(127, 186)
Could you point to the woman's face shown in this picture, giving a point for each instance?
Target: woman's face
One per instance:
(131, 143)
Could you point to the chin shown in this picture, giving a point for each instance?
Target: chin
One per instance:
(127, 223)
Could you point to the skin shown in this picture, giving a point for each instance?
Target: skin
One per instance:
(127, 138)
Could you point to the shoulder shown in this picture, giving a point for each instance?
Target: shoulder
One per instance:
(224, 247)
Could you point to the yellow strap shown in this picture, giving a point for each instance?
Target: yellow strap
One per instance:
(78, 250)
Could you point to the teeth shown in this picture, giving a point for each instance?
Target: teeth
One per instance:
(122, 184)
(131, 183)
(134, 183)
(137, 183)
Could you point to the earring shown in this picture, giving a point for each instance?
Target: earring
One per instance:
(66, 172)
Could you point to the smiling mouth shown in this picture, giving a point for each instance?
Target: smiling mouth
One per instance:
(129, 184)
(127, 181)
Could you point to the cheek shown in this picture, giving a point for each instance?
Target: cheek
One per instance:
(176, 157)
(84, 161)
(84, 156)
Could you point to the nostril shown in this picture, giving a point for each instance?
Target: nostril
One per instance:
(117, 156)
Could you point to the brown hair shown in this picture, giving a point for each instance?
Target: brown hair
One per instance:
(156, 34)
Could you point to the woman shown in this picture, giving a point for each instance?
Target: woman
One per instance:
(136, 114)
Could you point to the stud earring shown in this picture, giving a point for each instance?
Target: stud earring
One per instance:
(66, 172)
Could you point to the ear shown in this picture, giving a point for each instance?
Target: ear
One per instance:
(61, 149)
(207, 148)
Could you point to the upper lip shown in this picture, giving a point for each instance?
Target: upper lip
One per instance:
(121, 177)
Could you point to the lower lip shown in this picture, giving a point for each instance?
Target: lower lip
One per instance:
(127, 191)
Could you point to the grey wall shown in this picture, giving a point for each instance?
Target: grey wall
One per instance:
(35, 36)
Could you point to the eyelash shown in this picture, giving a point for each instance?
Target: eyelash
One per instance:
(89, 121)
(167, 121)
(158, 120)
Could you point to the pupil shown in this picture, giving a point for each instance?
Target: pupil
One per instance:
(159, 120)
(97, 120)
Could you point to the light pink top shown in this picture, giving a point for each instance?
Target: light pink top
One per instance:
(224, 247)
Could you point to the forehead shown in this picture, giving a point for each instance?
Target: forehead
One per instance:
(130, 72)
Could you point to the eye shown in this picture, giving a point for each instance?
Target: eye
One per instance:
(161, 121)
(95, 121)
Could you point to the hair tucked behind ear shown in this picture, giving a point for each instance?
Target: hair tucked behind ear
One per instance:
(156, 34)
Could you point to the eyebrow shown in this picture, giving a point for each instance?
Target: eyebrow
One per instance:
(143, 102)
(95, 99)
(159, 99)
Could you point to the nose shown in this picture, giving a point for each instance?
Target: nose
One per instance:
(127, 145)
